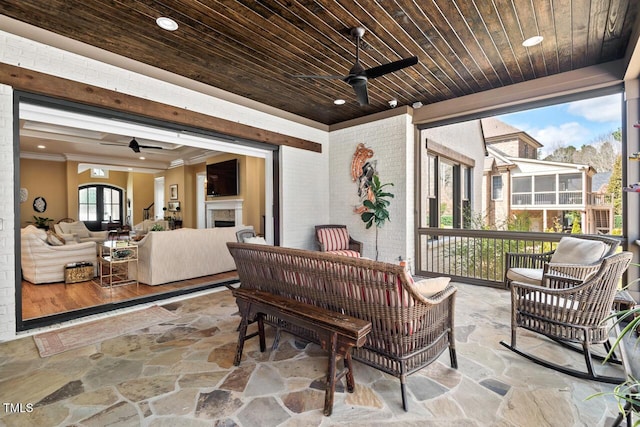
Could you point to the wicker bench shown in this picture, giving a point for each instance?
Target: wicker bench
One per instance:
(409, 331)
(338, 333)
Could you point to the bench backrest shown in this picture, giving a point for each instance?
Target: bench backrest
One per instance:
(370, 290)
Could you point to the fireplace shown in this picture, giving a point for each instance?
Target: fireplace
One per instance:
(223, 213)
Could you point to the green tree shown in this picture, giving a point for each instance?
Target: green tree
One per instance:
(614, 186)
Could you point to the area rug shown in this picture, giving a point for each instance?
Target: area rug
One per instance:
(73, 337)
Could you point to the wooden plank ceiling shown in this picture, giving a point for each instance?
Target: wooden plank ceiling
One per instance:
(251, 48)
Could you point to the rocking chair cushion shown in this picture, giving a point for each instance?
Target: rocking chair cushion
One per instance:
(531, 276)
(571, 250)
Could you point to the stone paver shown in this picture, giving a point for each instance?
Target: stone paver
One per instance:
(180, 373)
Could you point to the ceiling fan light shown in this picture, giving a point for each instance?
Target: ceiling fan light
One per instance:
(339, 101)
(167, 23)
(532, 41)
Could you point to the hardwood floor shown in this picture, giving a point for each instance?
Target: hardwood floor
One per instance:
(53, 298)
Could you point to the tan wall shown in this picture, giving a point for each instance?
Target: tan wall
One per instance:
(44, 179)
(141, 195)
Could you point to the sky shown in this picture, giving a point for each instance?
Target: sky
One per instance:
(574, 123)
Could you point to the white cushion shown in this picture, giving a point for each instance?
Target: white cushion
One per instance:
(572, 250)
(431, 286)
(255, 240)
(552, 300)
(69, 239)
(531, 276)
(78, 228)
(54, 240)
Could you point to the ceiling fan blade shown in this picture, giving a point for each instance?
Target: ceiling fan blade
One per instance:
(383, 69)
(150, 146)
(360, 87)
(303, 76)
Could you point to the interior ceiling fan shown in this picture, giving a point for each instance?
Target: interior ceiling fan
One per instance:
(133, 144)
(358, 76)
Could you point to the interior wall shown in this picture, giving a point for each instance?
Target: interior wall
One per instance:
(47, 179)
(251, 187)
(141, 195)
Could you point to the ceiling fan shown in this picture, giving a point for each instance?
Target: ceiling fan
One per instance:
(133, 144)
(358, 76)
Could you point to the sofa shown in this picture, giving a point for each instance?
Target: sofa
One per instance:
(185, 253)
(412, 322)
(43, 259)
(145, 226)
(78, 231)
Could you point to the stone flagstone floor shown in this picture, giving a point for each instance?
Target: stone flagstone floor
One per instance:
(180, 373)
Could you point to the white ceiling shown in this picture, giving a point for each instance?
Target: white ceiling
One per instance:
(101, 142)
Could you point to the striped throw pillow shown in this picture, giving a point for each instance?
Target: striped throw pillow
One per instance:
(334, 239)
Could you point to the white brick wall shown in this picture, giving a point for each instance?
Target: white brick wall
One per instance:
(303, 174)
(392, 142)
(304, 185)
(7, 241)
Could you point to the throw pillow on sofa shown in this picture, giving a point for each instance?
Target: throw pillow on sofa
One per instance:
(79, 229)
(255, 240)
(431, 286)
(54, 240)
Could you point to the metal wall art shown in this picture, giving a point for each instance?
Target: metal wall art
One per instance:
(362, 171)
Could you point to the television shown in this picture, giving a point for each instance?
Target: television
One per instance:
(222, 178)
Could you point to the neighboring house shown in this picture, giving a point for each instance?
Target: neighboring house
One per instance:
(516, 183)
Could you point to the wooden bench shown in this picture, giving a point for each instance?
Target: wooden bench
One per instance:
(338, 333)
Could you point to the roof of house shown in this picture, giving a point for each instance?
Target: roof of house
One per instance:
(494, 129)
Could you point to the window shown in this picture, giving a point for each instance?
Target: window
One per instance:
(570, 182)
(99, 203)
(446, 192)
(99, 173)
(496, 187)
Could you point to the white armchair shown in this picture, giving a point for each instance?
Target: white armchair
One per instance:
(44, 263)
(79, 232)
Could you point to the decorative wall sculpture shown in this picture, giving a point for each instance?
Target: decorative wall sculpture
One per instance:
(362, 171)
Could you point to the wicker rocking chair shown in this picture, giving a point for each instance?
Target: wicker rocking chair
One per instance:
(569, 258)
(569, 312)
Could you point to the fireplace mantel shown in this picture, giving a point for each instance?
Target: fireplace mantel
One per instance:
(226, 204)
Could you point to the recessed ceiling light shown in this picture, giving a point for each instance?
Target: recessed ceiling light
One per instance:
(532, 41)
(129, 169)
(339, 101)
(141, 157)
(41, 146)
(167, 23)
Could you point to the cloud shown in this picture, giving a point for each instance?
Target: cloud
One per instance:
(552, 137)
(603, 109)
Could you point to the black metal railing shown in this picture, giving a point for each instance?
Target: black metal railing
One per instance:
(475, 256)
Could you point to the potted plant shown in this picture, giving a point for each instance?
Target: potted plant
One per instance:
(628, 393)
(42, 222)
(376, 205)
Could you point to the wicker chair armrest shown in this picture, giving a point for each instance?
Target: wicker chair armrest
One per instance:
(522, 260)
(557, 275)
(572, 287)
(355, 245)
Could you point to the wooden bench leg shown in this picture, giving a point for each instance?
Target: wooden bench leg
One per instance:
(349, 367)
(263, 345)
(244, 312)
(331, 376)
